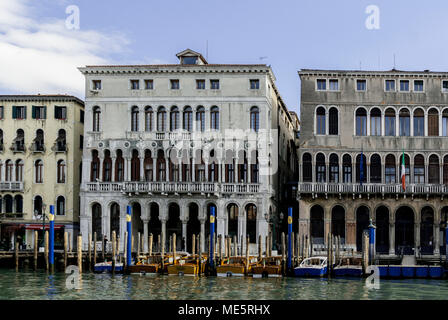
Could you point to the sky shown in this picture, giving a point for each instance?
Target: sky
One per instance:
(39, 53)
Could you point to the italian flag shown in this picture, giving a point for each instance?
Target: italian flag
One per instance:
(403, 173)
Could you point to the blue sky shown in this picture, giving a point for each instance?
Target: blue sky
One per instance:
(323, 34)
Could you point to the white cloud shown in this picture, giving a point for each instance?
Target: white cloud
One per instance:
(43, 56)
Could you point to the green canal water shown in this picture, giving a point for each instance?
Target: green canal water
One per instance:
(40, 285)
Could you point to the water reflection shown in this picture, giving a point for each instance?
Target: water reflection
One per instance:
(41, 285)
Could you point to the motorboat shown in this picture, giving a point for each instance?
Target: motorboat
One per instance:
(312, 267)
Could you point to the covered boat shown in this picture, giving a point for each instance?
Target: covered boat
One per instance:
(268, 267)
(348, 267)
(187, 266)
(235, 266)
(312, 267)
(149, 266)
(107, 267)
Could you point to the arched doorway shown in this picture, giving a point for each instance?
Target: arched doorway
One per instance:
(154, 224)
(114, 219)
(443, 222)
(338, 222)
(174, 225)
(404, 231)
(232, 222)
(193, 225)
(382, 230)
(362, 223)
(317, 224)
(97, 221)
(251, 223)
(427, 231)
(137, 223)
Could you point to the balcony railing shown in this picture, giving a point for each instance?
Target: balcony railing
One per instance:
(11, 186)
(11, 216)
(173, 187)
(336, 188)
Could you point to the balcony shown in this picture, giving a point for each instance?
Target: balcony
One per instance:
(173, 187)
(17, 147)
(11, 216)
(371, 188)
(37, 147)
(11, 186)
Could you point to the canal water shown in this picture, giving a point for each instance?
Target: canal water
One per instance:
(40, 285)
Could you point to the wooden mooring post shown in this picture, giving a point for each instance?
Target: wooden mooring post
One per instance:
(118, 248)
(174, 247)
(89, 244)
(114, 245)
(235, 246)
(193, 245)
(36, 248)
(139, 237)
(266, 252)
(247, 254)
(150, 245)
(125, 248)
(65, 249)
(16, 254)
(259, 248)
(94, 248)
(79, 254)
(283, 253)
(293, 250)
(103, 248)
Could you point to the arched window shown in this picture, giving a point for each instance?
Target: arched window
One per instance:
(375, 169)
(433, 123)
(97, 221)
(230, 166)
(19, 170)
(38, 205)
(8, 170)
(95, 167)
(320, 121)
(60, 206)
(307, 168)
(375, 122)
(347, 168)
(135, 166)
(134, 118)
(174, 118)
(214, 118)
(8, 203)
(161, 119)
(405, 127)
(148, 119)
(334, 168)
(39, 144)
(433, 170)
(199, 166)
(419, 123)
(18, 199)
(38, 170)
(407, 168)
(390, 170)
(96, 119)
(251, 227)
(444, 123)
(317, 224)
(188, 119)
(115, 218)
(119, 167)
(255, 168)
(148, 166)
(161, 166)
(200, 119)
(232, 214)
(419, 169)
(358, 168)
(361, 122)
(321, 173)
(61, 171)
(389, 122)
(107, 167)
(19, 142)
(445, 169)
(338, 222)
(254, 119)
(333, 126)
(61, 142)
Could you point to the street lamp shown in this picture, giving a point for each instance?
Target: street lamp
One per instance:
(36, 214)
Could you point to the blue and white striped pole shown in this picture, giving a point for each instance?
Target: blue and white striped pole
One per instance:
(212, 234)
(289, 238)
(129, 229)
(371, 242)
(52, 238)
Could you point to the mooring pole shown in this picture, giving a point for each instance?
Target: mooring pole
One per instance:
(371, 243)
(51, 238)
(289, 238)
(212, 236)
(129, 242)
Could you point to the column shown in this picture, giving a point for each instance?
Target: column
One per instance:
(383, 123)
(154, 169)
(426, 123)
(184, 234)
(327, 122)
(327, 228)
(397, 124)
(193, 178)
(411, 133)
(163, 236)
(167, 176)
(145, 235)
(368, 123)
(417, 236)
(202, 235)
(142, 170)
(127, 169)
(112, 174)
(100, 168)
(367, 170)
(392, 238)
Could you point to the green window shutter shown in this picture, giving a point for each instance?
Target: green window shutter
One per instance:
(24, 116)
(45, 112)
(55, 112)
(14, 112)
(33, 112)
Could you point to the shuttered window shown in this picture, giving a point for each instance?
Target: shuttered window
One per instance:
(433, 123)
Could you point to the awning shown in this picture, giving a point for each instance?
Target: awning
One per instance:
(11, 227)
(36, 226)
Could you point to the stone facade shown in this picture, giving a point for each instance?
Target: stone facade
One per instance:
(356, 126)
(173, 140)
